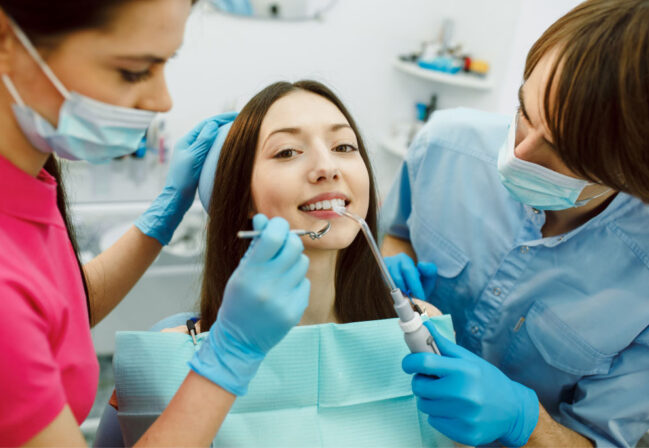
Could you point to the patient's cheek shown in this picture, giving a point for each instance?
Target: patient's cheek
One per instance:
(270, 193)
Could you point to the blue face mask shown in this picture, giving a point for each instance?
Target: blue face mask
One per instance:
(87, 129)
(535, 185)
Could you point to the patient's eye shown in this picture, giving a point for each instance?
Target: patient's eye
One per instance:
(285, 154)
(345, 148)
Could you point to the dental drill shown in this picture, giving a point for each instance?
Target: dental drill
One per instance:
(417, 336)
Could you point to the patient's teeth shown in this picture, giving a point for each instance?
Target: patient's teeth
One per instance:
(324, 205)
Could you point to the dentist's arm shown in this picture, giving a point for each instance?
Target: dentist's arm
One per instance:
(474, 403)
(264, 298)
(112, 274)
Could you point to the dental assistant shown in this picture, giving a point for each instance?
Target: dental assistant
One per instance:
(81, 81)
(533, 234)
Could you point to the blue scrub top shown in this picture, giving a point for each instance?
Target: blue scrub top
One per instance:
(568, 316)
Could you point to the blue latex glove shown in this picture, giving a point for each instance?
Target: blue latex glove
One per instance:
(416, 281)
(264, 298)
(468, 399)
(167, 210)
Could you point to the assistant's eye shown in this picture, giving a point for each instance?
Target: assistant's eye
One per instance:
(130, 76)
(285, 154)
(345, 148)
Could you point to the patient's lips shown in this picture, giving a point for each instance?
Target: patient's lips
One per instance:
(321, 206)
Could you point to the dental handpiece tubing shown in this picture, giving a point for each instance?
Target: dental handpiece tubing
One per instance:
(417, 336)
(377, 253)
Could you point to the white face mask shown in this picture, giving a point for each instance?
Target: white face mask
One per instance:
(87, 129)
(535, 185)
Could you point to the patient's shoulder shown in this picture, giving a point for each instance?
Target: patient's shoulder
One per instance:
(174, 320)
(181, 329)
(427, 308)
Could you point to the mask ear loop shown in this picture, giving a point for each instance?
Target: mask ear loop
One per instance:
(12, 90)
(24, 40)
(587, 200)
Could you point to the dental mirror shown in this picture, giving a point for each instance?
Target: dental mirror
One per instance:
(299, 232)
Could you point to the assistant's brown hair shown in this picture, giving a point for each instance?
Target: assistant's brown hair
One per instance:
(360, 291)
(598, 112)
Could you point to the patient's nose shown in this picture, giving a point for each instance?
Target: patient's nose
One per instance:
(324, 168)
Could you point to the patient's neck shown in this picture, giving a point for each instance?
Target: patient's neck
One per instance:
(321, 274)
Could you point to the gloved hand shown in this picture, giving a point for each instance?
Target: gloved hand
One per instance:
(468, 399)
(264, 298)
(416, 281)
(167, 210)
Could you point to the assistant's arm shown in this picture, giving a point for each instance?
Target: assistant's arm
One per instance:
(473, 402)
(393, 245)
(549, 433)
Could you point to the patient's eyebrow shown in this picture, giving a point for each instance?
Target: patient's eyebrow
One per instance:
(338, 126)
(334, 127)
(286, 130)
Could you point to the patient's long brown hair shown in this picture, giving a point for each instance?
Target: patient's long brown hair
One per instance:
(360, 291)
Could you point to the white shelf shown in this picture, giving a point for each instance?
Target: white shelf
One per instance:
(459, 79)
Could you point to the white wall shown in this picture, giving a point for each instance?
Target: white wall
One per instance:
(534, 17)
(226, 59)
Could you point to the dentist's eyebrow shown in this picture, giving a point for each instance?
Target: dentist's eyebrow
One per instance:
(150, 58)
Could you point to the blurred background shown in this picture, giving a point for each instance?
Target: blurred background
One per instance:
(391, 62)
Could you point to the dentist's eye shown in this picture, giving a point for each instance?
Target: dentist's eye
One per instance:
(285, 154)
(345, 148)
(130, 76)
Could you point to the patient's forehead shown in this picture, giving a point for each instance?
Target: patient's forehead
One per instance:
(301, 109)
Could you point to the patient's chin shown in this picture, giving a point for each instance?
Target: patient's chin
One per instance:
(334, 240)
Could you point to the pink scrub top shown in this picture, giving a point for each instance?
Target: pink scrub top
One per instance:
(46, 354)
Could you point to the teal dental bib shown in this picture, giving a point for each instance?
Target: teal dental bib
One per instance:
(326, 385)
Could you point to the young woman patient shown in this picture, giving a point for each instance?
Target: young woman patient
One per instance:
(294, 151)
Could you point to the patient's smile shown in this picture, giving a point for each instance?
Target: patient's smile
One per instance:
(307, 164)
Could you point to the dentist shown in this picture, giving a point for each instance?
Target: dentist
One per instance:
(533, 233)
(81, 80)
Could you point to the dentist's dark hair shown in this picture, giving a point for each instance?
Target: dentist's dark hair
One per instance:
(46, 22)
(596, 100)
(361, 293)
